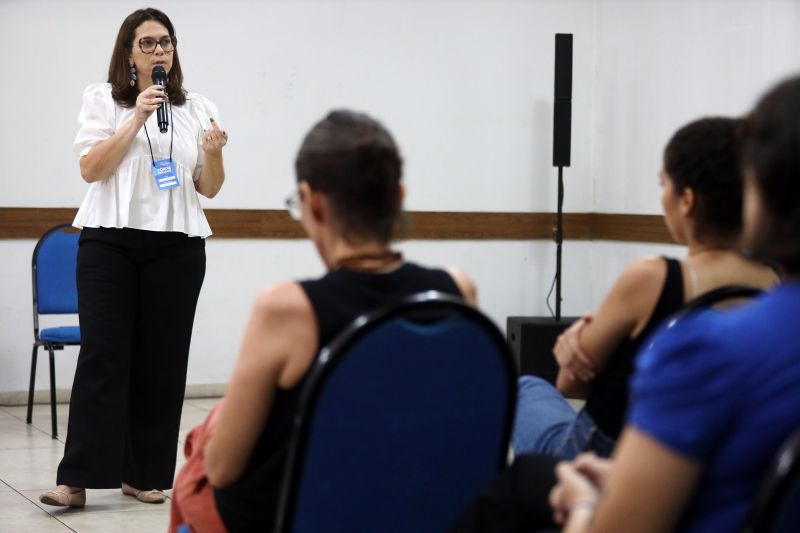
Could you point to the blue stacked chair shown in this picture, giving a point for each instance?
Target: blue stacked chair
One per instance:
(54, 293)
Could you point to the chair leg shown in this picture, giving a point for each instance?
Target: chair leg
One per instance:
(53, 393)
(33, 382)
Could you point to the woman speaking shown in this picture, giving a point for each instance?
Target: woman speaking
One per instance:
(141, 264)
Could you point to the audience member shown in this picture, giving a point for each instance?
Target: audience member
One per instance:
(715, 393)
(348, 199)
(702, 202)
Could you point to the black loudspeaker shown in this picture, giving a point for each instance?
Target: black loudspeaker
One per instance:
(532, 339)
(562, 106)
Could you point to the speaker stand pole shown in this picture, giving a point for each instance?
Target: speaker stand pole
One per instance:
(559, 238)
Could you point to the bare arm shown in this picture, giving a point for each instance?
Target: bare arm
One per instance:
(213, 174)
(576, 369)
(100, 162)
(465, 284)
(645, 491)
(278, 347)
(625, 310)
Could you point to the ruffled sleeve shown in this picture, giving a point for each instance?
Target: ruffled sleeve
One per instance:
(96, 118)
(203, 110)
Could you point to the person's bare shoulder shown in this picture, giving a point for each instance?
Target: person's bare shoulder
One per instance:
(643, 273)
(286, 318)
(636, 291)
(283, 301)
(465, 284)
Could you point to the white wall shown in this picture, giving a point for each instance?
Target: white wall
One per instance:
(466, 87)
(664, 63)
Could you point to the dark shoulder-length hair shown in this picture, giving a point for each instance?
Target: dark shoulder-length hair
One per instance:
(119, 70)
(772, 161)
(704, 156)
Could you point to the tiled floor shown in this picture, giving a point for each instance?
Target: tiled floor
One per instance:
(28, 461)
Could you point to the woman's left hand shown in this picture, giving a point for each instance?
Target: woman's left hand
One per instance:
(570, 356)
(572, 489)
(214, 139)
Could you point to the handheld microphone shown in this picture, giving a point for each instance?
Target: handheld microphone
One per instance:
(159, 77)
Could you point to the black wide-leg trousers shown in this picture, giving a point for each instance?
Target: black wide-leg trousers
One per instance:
(137, 294)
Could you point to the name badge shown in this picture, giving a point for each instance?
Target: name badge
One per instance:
(165, 175)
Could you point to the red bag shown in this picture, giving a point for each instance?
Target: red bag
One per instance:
(193, 501)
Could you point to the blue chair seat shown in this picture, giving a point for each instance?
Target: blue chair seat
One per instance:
(61, 335)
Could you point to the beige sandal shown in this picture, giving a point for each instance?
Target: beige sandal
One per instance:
(145, 496)
(64, 496)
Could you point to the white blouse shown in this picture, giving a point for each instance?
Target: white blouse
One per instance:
(130, 197)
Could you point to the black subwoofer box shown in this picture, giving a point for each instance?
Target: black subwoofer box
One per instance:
(531, 339)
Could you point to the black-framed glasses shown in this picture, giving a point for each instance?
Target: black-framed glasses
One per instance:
(148, 45)
(293, 204)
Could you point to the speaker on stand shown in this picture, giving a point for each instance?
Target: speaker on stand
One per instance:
(532, 338)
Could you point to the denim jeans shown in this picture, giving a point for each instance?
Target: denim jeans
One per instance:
(546, 424)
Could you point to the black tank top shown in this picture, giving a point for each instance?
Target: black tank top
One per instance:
(608, 402)
(338, 298)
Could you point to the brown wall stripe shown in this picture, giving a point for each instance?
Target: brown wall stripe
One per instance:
(31, 222)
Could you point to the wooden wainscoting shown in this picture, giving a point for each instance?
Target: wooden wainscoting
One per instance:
(32, 222)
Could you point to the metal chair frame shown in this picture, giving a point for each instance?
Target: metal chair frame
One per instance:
(51, 347)
(782, 477)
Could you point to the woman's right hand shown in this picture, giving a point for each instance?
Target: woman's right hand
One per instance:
(569, 354)
(149, 100)
(595, 468)
(572, 489)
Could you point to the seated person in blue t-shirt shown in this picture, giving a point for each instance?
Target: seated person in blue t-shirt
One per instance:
(715, 393)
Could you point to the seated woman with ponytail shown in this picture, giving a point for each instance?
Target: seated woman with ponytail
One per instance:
(348, 199)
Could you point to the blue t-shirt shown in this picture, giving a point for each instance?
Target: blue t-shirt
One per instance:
(723, 389)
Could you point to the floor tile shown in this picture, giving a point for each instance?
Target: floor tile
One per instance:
(28, 462)
(202, 403)
(17, 514)
(181, 460)
(15, 434)
(154, 519)
(41, 417)
(576, 404)
(97, 501)
(190, 417)
(31, 468)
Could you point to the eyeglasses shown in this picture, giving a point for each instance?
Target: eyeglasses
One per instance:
(148, 45)
(293, 204)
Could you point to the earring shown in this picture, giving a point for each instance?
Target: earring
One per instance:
(133, 75)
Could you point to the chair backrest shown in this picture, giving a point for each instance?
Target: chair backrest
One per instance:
(405, 417)
(721, 294)
(53, 272)
(777, 505)
(714, 297)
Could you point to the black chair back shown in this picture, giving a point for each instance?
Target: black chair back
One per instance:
(721, 294)
(777, 505)
(405, 417)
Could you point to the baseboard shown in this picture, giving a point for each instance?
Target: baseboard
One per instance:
(204, 390)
